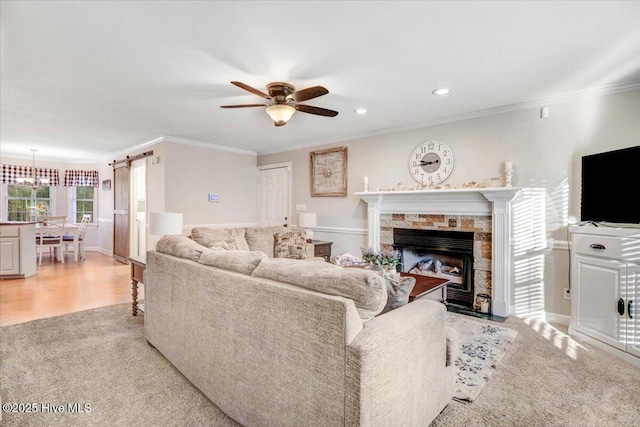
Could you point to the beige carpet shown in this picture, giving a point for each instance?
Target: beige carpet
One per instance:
(100, 357)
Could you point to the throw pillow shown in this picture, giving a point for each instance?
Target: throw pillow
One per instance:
(206, 236)
(398, 290)
(236, 243)
(180, 246)
(262, 239)
(364, 287)
(241, 261)
(291, 244)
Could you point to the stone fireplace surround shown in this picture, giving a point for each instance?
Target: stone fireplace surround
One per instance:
(453, 209)
(480, 226)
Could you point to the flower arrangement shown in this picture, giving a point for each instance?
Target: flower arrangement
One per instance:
(42, 208)
(381, 258)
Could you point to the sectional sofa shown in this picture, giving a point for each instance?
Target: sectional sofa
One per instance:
(283, 342)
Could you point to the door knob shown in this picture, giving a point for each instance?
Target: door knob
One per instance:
(621, 307)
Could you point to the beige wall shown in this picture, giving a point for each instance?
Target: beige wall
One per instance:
(181, 181)
(192, 173)
(546, 154)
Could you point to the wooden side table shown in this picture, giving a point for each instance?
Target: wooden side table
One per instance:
(322, 249)
(138, 265)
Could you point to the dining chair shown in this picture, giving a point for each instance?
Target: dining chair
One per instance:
(50, 236)
(82, 228)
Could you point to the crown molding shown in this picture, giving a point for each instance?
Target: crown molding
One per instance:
(534, 103)
(183, 141)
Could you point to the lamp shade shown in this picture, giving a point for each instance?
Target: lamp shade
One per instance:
(306, 220)
(165, 223)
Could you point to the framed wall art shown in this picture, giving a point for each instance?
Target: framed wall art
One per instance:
(106, 185)
(329, 172)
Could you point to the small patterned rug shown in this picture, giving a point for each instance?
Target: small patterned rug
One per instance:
(481, 346)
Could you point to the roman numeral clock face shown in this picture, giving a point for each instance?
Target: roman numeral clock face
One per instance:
(431, 162)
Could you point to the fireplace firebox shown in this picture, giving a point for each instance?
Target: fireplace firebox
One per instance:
(437, 253)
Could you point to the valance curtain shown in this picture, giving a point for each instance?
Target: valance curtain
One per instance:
(80, 178)
(11, 172)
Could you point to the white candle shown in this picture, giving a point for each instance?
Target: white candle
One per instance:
(485, 307)
(508, 166)
(366, 180)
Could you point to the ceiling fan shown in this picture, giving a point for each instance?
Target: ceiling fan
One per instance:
(283, 101)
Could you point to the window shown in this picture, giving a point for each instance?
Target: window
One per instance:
(83, 202)
(22, 202)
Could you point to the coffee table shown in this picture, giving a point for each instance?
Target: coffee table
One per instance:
(428, 287)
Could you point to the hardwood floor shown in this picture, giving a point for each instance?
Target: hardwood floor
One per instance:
(59, 289)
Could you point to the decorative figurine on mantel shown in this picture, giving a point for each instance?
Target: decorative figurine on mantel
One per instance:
(508, 173)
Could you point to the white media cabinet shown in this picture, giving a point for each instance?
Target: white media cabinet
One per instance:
(605, 289)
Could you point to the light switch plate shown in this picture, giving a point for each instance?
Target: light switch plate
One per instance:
(301, 207)
(214, 197)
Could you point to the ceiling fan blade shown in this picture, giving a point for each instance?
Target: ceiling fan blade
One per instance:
(243, 106)
(309, 93)
(316, 110)
(250, 89)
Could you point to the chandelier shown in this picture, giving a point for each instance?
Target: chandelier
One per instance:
(33, 181)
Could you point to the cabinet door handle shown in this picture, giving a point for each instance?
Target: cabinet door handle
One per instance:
(629, 309)
(597, 246)
(621, 307)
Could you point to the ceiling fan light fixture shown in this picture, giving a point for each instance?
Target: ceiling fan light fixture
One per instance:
(280, 113)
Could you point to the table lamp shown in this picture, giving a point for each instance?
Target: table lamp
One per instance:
(165, 223)
(306, 221)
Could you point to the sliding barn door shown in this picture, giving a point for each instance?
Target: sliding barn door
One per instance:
(121, 212)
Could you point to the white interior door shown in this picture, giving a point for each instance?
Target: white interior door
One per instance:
(275, 195)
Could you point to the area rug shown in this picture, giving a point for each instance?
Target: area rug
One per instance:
(481, 346)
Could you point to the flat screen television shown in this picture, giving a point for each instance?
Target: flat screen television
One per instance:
(611, 186)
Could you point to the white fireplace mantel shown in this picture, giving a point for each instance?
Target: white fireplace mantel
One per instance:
(494, 201)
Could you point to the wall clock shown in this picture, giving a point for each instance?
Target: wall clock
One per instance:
(329, 172)
(431, 162)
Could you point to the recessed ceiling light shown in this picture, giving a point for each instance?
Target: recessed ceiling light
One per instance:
(360, 110)
(441, 91)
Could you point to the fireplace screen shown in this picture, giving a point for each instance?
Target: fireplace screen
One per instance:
(443, 254)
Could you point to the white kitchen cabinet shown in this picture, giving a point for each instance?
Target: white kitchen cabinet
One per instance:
(17, 249)
(10, 255)
(605, 282)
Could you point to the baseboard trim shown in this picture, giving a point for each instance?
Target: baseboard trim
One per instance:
(635, 361)
(560, 319)
(96, 249)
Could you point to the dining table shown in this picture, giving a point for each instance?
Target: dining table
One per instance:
(69, 230)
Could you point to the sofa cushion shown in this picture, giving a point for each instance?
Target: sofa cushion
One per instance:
(367, 289)
(398, 290)
(261, 238)
(206, 236)
(290, 244)
(241, 261)
(180, 246)
(235, 243)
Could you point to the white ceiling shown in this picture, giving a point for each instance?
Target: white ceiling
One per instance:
(83, 80)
